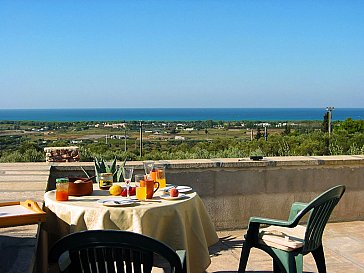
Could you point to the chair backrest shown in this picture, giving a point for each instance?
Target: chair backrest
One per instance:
(111, 251)
(319, 211)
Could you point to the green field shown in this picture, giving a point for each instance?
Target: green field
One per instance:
(24, 141)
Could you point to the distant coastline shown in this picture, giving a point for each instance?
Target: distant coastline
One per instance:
(178, 114)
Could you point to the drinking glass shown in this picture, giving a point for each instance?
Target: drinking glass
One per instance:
(161, 176)
(140, 189)
(128, 174)
(139, 177)
(148, 166)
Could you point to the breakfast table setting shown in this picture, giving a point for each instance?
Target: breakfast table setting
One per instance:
(174, 215)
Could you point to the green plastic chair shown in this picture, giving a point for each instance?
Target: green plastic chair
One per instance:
(288, 257)
(113, 251)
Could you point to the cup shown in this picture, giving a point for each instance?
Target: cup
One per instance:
(161, 176)
(62, 189)
(149, 185)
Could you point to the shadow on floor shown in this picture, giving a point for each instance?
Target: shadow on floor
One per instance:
(225, 243)
(233, 243)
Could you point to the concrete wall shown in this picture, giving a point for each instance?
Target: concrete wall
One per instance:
(235, 189)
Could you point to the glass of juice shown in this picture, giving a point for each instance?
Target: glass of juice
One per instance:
(140, 189)
(153, 175)
(161, 176)
(62, 189)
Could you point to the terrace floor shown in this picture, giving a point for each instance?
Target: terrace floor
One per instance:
(343, 242)
(343, 245)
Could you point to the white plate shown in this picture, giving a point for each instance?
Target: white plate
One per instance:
(116, 202)
(179, 188)
(184, 188)
(166, 188)
(168, 197)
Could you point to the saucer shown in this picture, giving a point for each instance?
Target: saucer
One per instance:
(168, 197)
(179, 188)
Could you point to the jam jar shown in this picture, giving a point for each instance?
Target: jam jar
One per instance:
(62, 189)
(105, 181)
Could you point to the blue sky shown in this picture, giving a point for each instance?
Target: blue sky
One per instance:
(59, 54)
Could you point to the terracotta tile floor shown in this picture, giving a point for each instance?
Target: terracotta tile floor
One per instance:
(343, 246)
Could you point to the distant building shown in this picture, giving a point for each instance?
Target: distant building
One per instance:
(180, 126)
(119, 137)
(179, 138)
(263, 124)
(115, 125)
(280, 124)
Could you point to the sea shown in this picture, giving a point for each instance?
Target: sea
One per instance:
(178, 114)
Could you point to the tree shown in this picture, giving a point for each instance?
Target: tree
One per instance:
(259, 134)
(287, 130)
(173, 131)
(352, 126)
(325, 123)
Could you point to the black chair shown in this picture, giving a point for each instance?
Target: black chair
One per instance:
(113, 251)
(287, 241)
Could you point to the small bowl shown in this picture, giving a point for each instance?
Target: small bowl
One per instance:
(80, 188)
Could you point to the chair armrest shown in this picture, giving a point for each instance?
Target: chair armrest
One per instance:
(252, 235)
(295, 209)
(182, 256)
(268, 221)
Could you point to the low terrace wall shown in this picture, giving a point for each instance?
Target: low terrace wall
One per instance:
(235, 189)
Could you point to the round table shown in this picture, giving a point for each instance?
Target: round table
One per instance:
(181, 224)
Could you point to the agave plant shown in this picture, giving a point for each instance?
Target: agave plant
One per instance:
(102, 167)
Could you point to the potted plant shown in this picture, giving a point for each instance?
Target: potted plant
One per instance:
(102, 167)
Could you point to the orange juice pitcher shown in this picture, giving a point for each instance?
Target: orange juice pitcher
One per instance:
(149, 184)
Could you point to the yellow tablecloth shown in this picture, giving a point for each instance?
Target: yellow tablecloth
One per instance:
(181, 224)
